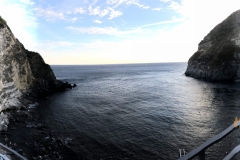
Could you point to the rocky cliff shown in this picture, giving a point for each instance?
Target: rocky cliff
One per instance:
(218, 55)
(21, 71)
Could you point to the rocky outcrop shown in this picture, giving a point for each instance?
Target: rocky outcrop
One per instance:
(218, 55)
(22, 73)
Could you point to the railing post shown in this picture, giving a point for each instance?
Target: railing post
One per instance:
(200, 150)
(202, 155)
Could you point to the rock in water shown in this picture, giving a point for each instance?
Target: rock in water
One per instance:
(218, 55)
(21, 71)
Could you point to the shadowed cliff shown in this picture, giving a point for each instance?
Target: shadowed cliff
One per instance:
(21, 71)
(218, 55)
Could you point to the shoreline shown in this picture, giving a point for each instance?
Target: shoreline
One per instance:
(29, 135)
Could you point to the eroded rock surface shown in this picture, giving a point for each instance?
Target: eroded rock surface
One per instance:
(218, 55)
(22, 72)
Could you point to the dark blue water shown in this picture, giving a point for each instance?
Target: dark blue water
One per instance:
(142, 111)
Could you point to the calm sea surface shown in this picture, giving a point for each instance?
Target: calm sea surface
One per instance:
(142, 111)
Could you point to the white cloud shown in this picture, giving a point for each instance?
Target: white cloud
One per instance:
(104, 12)
(49, 14)
(175, 6)
(117, 3)
(94, 11)
(204, 14)
(74, 19)
(173, 44)
(173, 20)
(97, 21)
(97, 11)
(139, 5)
(93, 30)
(157, 9)
(162, 47)
(29, 2)
(165, 1)
(54, 45)
(94, 2)
(112, 1)
(114, 14)
(144, 7)
(79, 10)
(103, 31)
(135, 2)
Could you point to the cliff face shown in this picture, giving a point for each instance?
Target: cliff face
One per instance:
(21, 71)
(218, 55)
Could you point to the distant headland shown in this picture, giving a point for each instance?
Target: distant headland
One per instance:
(218, 55)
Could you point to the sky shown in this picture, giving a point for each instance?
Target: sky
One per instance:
(114, 31)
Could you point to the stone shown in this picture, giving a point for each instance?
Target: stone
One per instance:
(4, 121)
(67, 141)
(23, 74)
(218, 55)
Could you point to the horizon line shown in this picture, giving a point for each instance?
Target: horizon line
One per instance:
(112, 64)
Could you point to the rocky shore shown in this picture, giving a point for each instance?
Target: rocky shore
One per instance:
(218, 55)
(29, 135)
(24, 79)
(23, 75)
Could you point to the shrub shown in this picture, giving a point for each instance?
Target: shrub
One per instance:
(2, 22)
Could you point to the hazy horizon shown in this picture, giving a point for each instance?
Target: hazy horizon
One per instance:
(114, 31)
(113, 64)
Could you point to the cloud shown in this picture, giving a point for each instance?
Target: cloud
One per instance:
(137, 4)
(173, 20)
(114, 14)
(157, 9)
(175, 6)
(164, 43)
(161, 47)
(97, 11)
(97, 21)
(173, 44)
(103, 31)
(79, 10)
(94, 30)
(165, 1)
(74, 19)
(49, 14)
(116, 3)
(49, 45)
(28, 2)
(144, 7)
(200, 13)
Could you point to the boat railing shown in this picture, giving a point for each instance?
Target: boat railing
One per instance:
(200, 150)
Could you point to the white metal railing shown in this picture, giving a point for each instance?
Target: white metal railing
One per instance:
(12, 151)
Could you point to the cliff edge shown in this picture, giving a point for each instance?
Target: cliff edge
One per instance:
(22, 73)
(218, 55)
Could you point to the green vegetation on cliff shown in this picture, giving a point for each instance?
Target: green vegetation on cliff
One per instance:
(2, 22)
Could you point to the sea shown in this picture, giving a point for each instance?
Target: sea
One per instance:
(140, 111)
